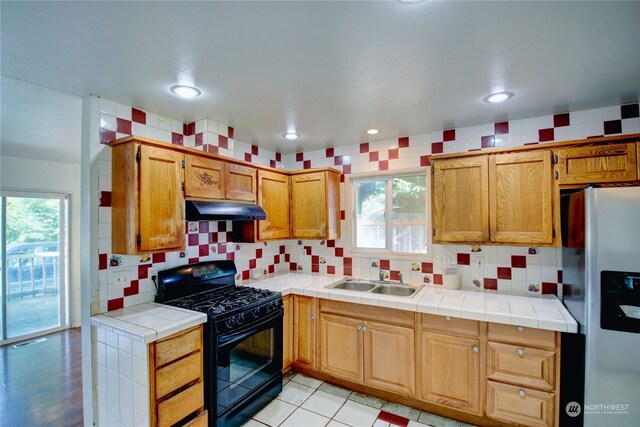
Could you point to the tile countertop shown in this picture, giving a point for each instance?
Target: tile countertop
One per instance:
(148, 322)
(535, 311)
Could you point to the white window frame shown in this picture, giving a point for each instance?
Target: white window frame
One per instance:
(350, 219)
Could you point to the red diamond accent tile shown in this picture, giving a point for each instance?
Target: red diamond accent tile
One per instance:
(282, 249)
(177, 139)
(193, 260)
(115, 304)
(307, 164)
(464, 259)
(191, 129)
(545, 135)
(252, 263)
(105, 199)
(337, 161)
(293, 266)
(213, 237)
(561, 120)
(143, 271)
(549, 288)
(329, 152)
(231, 256)
(385, 416)
(346, 169)
(247, 157)
(343, 215)
(347, 271)
(424, 161)
(403, 142)
(331, 269)
(223, 141)
(245, 274)
(364, 147)
(203, 226)
(222, 225)
(491, 284)
(339, 252)
(331, 243)
(612, 127)
(272, 163)
(193, 240)
(230, 132)
(504, 273)
(341, 177)
(501, 128)
(518, 261)
(133, 289)
(449, 135)
(427, 267)
(394, 275)
(437, 279)
(272, 268)
(373, 156)
(383, 165)
(315, 268)
(199, 139)
(102, 261)
(437, 148)
(348, 262)
(107, 135)
(400, 421)
(254, 150)
(385, 264)
(203, 250)
(393, 154)
(629, 111)
(157, 258)
(258, 253)
(488, 141)
(124, 126)
(299, 157)
(209, 148)
(138, 116)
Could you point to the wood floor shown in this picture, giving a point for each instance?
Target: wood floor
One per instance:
(41, 384)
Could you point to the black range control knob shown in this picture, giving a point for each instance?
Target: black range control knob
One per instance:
(240, 319)
(230, 323)
(256, 312)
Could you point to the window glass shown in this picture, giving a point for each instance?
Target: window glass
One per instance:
(370, 214)
(409, 214)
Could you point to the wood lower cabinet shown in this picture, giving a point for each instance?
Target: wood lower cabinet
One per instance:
(460, 200)
(597, 164)
(147, 203)
(315, 205)
(520, 195)
(304, 331)
(204, 177)
(341, 347)
(273, 196)
(287, 332)
(176, 379)
(520, 405)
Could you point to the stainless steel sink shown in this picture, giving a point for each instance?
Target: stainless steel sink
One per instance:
(353, 285)
(376, 287)
(395, 290)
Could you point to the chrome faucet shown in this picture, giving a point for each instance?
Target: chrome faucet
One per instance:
(400, 277)
(380, 274)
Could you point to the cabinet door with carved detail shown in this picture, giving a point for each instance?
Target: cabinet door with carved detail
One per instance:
(203, 177)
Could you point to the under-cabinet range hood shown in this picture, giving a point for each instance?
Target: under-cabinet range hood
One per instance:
(216, 211)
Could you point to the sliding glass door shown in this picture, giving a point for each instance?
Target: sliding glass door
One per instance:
(34, 264)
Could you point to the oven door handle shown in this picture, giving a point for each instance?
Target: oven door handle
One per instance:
(251, 330)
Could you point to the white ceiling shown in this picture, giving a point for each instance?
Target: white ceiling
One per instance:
(330, 70)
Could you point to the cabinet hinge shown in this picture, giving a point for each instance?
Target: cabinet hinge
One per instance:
(553, 233)
(182, 163)
(554, 159)
(556, 174)
(183, 187)
(138, 239)
(434, 232)
(138, 155)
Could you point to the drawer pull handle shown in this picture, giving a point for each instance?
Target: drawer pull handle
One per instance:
(475, 349)
(522, 393)
(448, 317)
(520, 328)
(521, 352)
(313, 317)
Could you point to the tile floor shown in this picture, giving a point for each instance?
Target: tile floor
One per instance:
(308, 402)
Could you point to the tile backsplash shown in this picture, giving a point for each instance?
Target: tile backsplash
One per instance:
(126, 280)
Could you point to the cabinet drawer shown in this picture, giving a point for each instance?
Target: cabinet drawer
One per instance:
(602, 163)
(513, 334)
(174, 348)
(172, 410)
(451, 325)
(520, 405)
(178, 374)
(521, 365)
(201, 420)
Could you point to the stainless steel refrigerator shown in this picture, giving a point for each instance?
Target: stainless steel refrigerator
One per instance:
(601, 289)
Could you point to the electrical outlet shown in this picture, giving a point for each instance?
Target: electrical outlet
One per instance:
(479, 263)
(119, 279)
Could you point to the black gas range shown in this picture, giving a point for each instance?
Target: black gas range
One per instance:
(242, 337)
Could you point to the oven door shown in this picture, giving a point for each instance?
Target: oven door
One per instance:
(248, 371)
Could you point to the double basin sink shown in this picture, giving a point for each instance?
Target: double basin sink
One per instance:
(383, 287)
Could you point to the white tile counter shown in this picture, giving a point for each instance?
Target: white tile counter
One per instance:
(148, 322)
(535, 311)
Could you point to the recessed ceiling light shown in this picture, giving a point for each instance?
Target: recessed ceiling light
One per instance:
(494, 98)
(185, 91)
(373, 131)
(291, 135)
(411, 1)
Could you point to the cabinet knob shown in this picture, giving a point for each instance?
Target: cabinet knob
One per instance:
(364, 328)
(313, 317)
(359, 327)
(522, 393)
(475, 349)
(448, 317)
(521, 351)
(520, 328)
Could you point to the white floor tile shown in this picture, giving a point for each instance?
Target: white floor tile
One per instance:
(308, 381)
(324, 403)
(416, 424)
(295, 393)
(275, 412)
(380, 423)
(302, 417)
(252, 423)
(357, 415)
(334, 423)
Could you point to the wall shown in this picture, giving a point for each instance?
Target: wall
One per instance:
(39, 175)
(510, 268)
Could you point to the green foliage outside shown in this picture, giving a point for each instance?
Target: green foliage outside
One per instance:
(409, 194)
(32, 220)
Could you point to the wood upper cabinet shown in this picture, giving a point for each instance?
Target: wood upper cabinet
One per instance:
(147, 199)
(315, 205)
(273, 196)
(341, 347)
(287, 332)
(203, 177)
(304, 331)
(597, 164)
(240, 182)
(521, 201)
(461, 200)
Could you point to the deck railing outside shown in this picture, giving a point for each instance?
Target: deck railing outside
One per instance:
(33, 274)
